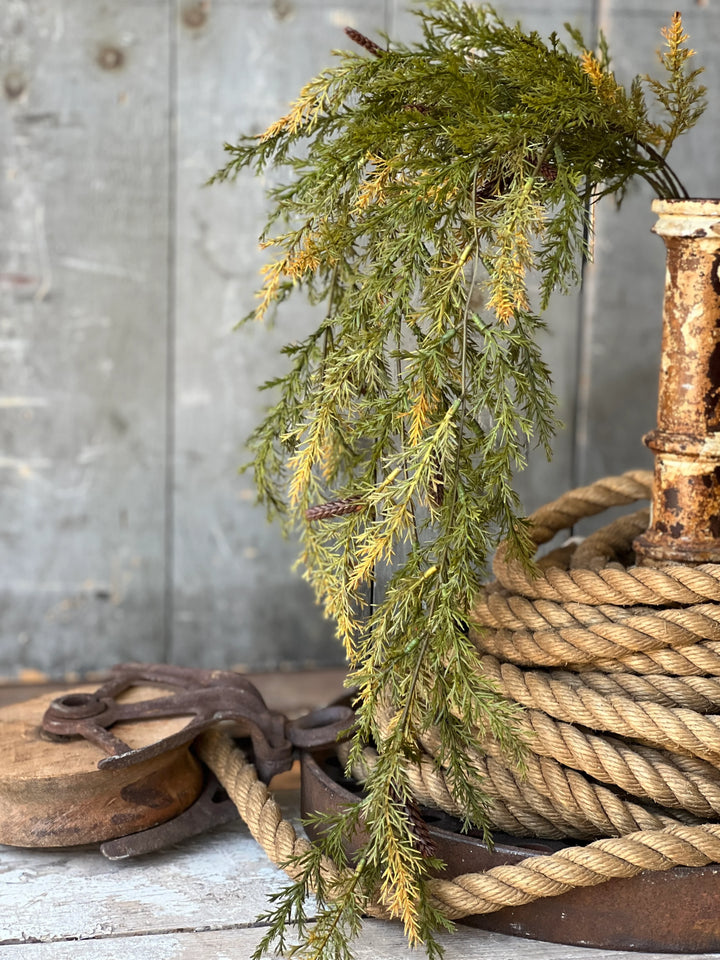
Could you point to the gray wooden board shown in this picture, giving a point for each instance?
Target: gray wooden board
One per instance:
(83, 280)
(201, 899)
(236, 600)
(220, 879)
(603, 345)
(542, 480)
(117, 267)
(378, 941)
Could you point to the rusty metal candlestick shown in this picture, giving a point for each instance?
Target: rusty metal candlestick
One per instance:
(685, 517)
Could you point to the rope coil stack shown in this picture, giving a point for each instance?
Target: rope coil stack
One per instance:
(618, 669)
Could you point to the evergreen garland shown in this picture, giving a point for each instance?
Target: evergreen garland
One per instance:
(424, 184)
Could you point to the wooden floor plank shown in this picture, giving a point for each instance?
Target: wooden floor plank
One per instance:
(378, 941)
(219, 879)
(201, 898)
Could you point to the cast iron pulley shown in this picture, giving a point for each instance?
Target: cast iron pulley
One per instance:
(115, 764)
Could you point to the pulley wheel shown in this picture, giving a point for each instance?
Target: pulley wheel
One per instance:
(53, 795)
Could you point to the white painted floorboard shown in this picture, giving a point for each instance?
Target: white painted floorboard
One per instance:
(379, 941)
(198, 901)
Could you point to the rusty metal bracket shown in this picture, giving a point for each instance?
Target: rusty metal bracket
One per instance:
(206, 697)
(671, 911)
(213, 808)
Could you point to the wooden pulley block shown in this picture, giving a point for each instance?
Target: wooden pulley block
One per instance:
(52, 792)
(114, 765)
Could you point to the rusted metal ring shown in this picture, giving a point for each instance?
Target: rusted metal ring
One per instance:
(320, 727)
(75, 706)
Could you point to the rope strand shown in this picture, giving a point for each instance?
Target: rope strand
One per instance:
(618, 668)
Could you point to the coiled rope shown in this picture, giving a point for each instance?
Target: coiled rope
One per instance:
(618, 667)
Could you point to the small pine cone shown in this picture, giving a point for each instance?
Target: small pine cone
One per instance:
(491, 188)
(420, 830)
(548, 171)
(436, 489)
(334, 508)
(364, 42)
(485, 191)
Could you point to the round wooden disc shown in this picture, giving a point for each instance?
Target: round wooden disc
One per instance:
(52, 794)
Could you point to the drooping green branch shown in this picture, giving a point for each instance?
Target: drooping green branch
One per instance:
(423, 185)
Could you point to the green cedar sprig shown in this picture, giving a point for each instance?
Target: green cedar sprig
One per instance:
(421, 187)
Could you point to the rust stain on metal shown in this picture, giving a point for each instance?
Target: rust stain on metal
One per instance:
(205, 697)
(611, 916)
(686, 442)
(714, 278)
(211, 809)
(713, 394)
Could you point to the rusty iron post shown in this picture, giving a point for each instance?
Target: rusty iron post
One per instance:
(685, 516)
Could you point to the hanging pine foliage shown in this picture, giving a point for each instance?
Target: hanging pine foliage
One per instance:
(423, 185)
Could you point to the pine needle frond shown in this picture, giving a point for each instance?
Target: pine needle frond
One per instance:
(420, 187)
(303, 113)
(675, 38)
(604, 82)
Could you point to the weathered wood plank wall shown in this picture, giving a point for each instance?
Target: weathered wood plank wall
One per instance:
(125, 397)
(84, 199)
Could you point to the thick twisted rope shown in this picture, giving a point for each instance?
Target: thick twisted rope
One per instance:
(472, 893)
(260, 811)
(669, 583)
(618, 668)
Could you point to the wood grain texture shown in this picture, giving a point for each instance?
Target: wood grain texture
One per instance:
(201, 899)
(218, 880)
(190, 903)
(125, 397)
(236, 599)
(83, 306)
(378, 941)
(53, 794)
